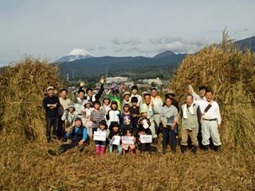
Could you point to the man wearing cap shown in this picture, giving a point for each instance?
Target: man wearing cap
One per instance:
(77, 134)
(64, 104)
(211, 121)
(51, 104)
(134, 91)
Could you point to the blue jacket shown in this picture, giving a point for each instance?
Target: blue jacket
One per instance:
(78, 134)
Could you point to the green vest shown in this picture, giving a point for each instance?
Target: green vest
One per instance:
(191, 122)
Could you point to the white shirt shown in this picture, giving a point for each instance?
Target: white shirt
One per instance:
(158, 104)
(212, 113)
(194, 94)
(139, 103)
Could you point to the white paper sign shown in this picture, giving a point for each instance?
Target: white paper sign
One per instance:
(146, 138)
(99, 136)
(116, 140)
(128, 140)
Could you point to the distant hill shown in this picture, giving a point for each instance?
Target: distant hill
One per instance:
(116, 65)
(247, 43)
(165, 54)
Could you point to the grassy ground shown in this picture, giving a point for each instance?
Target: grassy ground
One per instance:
(27, 166)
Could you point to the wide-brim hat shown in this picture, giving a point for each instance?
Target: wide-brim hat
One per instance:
(87, 102)
(170, 92)
(126, 93)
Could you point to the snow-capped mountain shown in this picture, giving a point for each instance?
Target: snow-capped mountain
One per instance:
(76, 54)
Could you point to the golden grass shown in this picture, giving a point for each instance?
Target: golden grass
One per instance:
(23, 87)
(29, 167)
(230, 73)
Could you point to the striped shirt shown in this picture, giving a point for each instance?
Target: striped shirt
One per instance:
(96, 117)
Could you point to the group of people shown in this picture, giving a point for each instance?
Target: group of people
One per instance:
(127, 121)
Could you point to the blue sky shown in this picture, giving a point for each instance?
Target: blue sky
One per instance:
(52, 28)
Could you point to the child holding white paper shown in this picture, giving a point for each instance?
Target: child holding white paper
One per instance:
(114, 138)
(128, 146)
(100, 146)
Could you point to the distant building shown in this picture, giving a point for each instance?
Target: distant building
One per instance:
(110, 80)
(156, 81)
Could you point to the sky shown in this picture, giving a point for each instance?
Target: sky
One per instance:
(50, 29)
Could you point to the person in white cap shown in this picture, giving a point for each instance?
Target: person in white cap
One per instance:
(69, 116)
(51, 104)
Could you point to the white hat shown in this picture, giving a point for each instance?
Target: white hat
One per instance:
(50, 88)
(126, 93)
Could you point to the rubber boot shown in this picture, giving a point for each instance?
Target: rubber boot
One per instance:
(97, 149)
(132, 152)
(183, 148)
(102, 150)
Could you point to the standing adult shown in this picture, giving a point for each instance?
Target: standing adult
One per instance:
(169, 117)
(171, 94)
(90, 96)
(147, 106)
(201, 95)
(65, 102)
(79, 104)
(190, 116)
(211, 121)
(51, 104)
(157, 105)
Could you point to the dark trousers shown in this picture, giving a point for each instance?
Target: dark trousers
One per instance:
(144, 147)
(61, 131)
(71, 145)
(169, 137)
(51, 122)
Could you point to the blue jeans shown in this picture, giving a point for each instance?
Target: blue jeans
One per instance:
(111, 148)
(169, 137)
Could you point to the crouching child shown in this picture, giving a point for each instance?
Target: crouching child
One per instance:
(114, 138)
(100, 145)
(77, 134)
(128, 142)
(143, 129)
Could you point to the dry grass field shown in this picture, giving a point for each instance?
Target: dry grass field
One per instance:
(27, 166)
